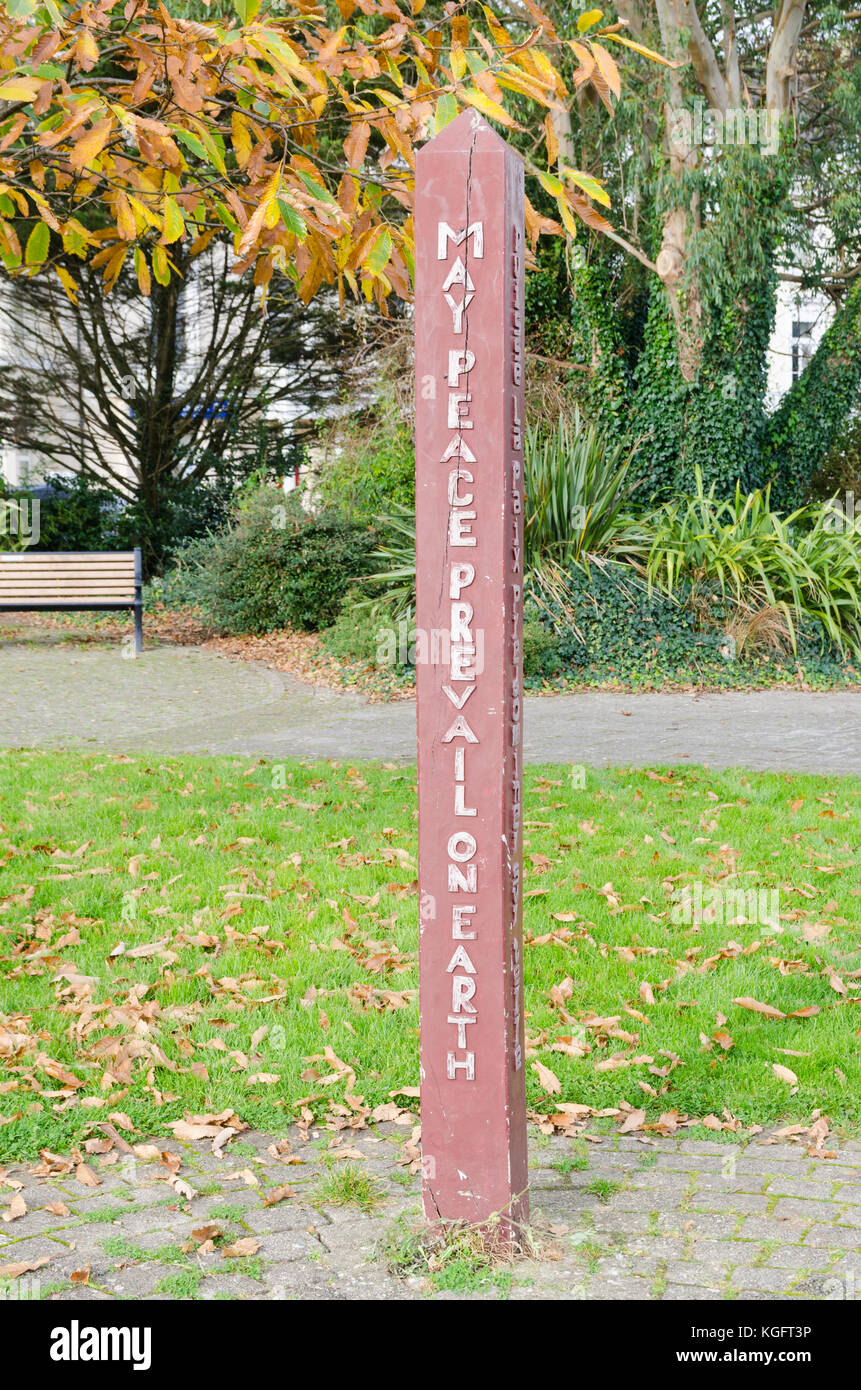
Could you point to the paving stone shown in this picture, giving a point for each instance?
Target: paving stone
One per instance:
(647, 1200)
(90, 1235)
(616, 1289)
(726, 1182)
(773, 1229)
(36, 1223)
(149, 1219)
(35, 1248)
(800, 1257)
(556, 1205)
(696, 1223)
(283, 1217)
(811, 1211)
(706, 1146)
(832, 1171)
(629, 1143)
(201, 1208)
(729, 1252)
(137, 1280)
(612, 1158)
(657, 1248)
(690, 1162)
(289, 1245)
(684, 1293)
(740, 1202)
(850, 1193)
(761, 1279)
(354, 1239)
(546, 1177)
(233, 1285)
(848, 1263)
(850, 1216)
(660, 1180)
(772, 1160)
(625, 1222)
(806, 1188)
(81, 1293)
(840, 1237)
(696, 1274)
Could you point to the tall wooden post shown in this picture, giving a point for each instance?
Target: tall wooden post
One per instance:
(469, 565)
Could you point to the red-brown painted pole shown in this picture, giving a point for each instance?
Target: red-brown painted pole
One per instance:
(469, 566)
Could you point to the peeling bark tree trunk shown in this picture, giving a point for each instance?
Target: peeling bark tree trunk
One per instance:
(685, 41)
(684, 297)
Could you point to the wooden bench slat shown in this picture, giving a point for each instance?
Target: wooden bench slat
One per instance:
(65, 591)
(25, 577)
(20, 571)
(38, 576)
(88, 556)
(61, 582)
(20, 603)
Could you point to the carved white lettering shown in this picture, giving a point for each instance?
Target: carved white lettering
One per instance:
(444, 235)
(461, 961)
(459, 729)
(459, 528)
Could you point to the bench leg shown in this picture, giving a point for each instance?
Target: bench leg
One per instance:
(138, 628)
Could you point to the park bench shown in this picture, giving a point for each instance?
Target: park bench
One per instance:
(72, 582)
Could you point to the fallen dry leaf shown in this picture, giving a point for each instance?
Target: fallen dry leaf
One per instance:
(547, 1078)
(784, 1074)
(756, 1007)
(278, 1194)
(246, 1246)
(14, 1271)
(209, 1232)
(17, 1207)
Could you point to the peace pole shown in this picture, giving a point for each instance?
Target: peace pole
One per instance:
(469, 582)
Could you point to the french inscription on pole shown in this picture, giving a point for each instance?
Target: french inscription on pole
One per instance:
(469, 566)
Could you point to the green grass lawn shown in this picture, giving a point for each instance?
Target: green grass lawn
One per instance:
(159, 914)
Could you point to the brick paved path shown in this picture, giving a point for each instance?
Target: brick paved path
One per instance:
(662, 1220)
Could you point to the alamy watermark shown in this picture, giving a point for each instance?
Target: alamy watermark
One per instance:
(460, 648)
(19, 518)
(841, 517)
(699, 902)
(740, 125)
(25, 1289)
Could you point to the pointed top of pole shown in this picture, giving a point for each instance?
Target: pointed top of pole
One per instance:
(468, 131)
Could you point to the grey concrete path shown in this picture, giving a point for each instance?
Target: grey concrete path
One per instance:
(663, 1220)
(175, 699)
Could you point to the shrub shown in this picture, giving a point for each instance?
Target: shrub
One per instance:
(370, 460)
(606, 626)
(275, 566)
(355, 634)
(576, 488)
(576, 491)
(743, 547)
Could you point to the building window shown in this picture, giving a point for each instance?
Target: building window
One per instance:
(802, 347)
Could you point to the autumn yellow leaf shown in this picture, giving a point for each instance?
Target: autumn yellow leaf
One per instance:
(91, 143)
